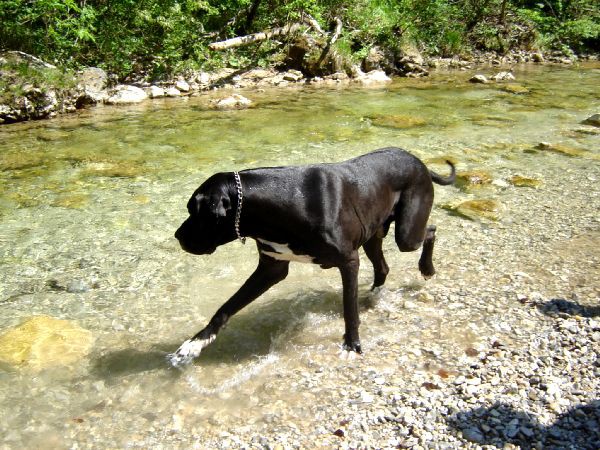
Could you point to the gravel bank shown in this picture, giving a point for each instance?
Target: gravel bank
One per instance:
(525, 373)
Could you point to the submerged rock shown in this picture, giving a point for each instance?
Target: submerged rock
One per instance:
(235, 101)
(503, 76)
(475, 209)
(397, 121)
(514, 88)
(592, 120)
(481, 79)
(114, 169)
(472, 178)
(521, 181)
(41, 342)
(560, 148)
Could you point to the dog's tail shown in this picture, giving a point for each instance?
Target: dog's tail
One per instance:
(444, 181)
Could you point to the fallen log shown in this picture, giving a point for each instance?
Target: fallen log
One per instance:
(255, 37)
(307, 20)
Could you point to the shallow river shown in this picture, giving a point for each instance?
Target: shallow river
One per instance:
(89, 204)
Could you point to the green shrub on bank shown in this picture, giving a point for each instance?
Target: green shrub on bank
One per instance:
(159, 37)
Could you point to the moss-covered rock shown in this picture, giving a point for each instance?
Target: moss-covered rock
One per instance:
(521, 181)
(475, 209)
(399, 121)
(560, 148)
(72, 201)
(114, 169)
(514, 88)
(593, 120)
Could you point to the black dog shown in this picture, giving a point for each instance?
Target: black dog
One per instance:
(321, 214)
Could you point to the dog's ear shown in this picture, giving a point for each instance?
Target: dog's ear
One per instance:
(220, 204)
(195, 204)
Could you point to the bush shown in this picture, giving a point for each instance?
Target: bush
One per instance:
(156, 38)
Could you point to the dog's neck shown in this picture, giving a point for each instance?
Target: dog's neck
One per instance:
(238, 209)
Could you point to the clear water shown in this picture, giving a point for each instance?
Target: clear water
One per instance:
(89, 204)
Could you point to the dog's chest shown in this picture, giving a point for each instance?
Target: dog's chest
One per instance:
(282, 252)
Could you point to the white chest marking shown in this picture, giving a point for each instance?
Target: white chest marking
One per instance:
(284, 253)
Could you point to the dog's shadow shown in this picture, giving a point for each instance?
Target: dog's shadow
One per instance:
(253, 333)
(560, 307)
(501, 424)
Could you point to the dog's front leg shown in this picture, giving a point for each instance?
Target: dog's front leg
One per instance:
(268, 273)
(349, 272)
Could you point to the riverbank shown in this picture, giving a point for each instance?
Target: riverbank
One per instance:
(33, 89)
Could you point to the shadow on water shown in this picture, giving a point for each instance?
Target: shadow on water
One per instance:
(255, 332)
(559, 307)
(128, 361)
(500, 424)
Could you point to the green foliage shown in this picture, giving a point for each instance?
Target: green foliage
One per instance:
(159, 37)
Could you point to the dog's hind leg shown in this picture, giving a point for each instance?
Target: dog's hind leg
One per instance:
(268, 273)
(425, 262)
(411, 216)
(375, 254)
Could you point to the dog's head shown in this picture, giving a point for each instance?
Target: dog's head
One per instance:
(211, 220)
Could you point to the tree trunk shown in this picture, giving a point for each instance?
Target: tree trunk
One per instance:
(256, 37)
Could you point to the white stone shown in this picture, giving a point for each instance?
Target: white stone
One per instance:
(172, 92)
(503, 76)
(182, 86)
(123, 95)
(155, 92)
(374, 77)
(235, 101)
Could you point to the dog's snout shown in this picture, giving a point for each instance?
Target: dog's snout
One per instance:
(178, 234)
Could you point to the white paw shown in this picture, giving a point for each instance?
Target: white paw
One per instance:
(189, 350)
(347, 355)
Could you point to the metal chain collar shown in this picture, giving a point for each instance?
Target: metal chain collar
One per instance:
(238, 211)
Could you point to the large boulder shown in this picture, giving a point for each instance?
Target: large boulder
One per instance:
(374, 60)
(41, 342)
(92, 83)
(407, 61)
